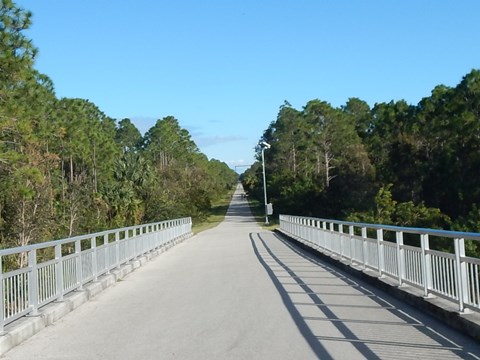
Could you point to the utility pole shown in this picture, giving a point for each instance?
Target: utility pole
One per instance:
(264, 146)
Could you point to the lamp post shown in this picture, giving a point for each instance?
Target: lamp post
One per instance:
(264, 146)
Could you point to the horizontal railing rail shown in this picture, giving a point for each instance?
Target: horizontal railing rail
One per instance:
(35, 275)
(408, 255)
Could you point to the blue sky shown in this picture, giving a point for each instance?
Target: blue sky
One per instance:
(223, 67)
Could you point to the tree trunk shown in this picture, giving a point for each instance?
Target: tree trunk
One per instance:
(71, 168)
(294, 161)
(327, 170)
(94, 168)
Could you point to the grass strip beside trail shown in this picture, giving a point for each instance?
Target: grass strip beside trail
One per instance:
(219, 209)
(216, 216)
(258, 211)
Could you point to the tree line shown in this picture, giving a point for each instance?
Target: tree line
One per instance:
(393, 163)
(67, 168)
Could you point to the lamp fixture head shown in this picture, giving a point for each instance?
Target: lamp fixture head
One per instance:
(265, 144)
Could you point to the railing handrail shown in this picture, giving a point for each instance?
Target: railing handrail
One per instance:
(38, 281)
(411, 230)
(45, 244)
(451, 275)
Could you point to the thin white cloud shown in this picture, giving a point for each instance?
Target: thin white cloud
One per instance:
(204, 141)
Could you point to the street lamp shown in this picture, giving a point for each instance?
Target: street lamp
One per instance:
(264, 146)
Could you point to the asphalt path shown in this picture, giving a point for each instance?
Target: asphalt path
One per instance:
(240, 292)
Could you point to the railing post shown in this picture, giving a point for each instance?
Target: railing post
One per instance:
(106, 253)
(2, 300)
(117, 249)
(151, 238)
(461, 270)
(302, 235)
(167, 232)
(293, 225)
(154, 236)
(324, 235)
(381, 262)
(311, 232)
(141, 242)
(93, 245)
(78, 258)
(351, 233)
(302, 229)
(308, 236)
(33, 282)
(127, 246)
(340, 233)
(59, 271)
(161, 234)
(330, 236)
(364, 247)
(400, 257)
(134, 243)
(427, 264)
(317, 233)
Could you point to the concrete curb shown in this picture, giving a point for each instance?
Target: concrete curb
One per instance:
(443, 310)
(27, 326)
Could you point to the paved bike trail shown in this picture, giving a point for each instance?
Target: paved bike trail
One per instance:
(239, 292)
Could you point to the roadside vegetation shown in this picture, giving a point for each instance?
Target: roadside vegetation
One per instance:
(67, 168)
(216, 214)
(258, 211)
(393, 163)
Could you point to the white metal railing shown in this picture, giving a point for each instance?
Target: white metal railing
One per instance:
(35, 275)
(381, 248)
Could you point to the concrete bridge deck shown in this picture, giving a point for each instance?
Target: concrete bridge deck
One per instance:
(239, 292)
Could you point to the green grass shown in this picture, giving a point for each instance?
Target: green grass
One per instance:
(216, 216)
(258, 211)
(219, 209)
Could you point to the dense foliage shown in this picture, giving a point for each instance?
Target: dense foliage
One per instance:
(394, 163)
(67, 168)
